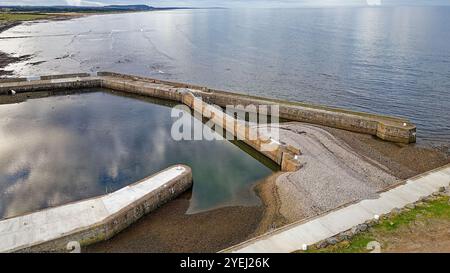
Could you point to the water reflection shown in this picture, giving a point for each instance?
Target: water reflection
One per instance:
(384, 60)
(63, 148)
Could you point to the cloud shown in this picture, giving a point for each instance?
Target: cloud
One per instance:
(84, 3)
(74, 2)
(230, 3)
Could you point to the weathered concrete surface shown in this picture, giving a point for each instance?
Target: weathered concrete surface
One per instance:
(95, 219)
(52, 83)
(384, 127)
(140, 87)
(295, 236)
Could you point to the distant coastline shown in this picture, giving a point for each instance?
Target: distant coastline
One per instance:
(11, 16)
(83, 9)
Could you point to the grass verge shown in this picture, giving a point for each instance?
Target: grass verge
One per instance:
(18, 17)
(390, 230)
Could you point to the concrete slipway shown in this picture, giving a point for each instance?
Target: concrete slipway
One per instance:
(95, 219)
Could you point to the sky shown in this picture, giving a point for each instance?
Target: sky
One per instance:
(227, 3)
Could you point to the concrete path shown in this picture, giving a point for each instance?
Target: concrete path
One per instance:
(50, 224)
(294, 236)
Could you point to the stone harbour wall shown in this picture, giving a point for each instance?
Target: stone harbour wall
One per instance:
(384, 127)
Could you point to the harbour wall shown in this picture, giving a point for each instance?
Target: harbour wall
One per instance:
(384, 127)
(92, 220)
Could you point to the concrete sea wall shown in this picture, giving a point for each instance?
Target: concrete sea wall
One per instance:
(384, 127)
(283, 155)
(92, 220)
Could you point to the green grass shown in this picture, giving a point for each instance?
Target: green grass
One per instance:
(436, 209)
(14, 17)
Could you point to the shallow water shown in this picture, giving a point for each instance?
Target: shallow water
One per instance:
(59, 149)
(393, 60)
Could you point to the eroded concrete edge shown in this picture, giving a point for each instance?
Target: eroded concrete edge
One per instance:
(105, 226)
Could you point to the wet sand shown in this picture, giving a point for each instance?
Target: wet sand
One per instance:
(401, 160)
(170, 229)
(6, 59)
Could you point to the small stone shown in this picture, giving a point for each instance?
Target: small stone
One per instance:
(396, 211)
(363, 227)
(442, 189)
(359, 228)
(332, 241)
(322, 244)
(418, 204)
(410, 206)
(370, 223)
(345, 236)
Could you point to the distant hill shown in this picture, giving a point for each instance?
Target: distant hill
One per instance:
(58, 9)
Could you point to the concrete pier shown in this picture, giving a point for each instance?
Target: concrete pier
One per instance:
(283, 155)
(92, 220)
(387, 128)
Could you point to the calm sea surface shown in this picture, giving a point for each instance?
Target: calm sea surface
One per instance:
(384, 60)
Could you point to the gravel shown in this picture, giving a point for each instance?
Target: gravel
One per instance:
(332, 174)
